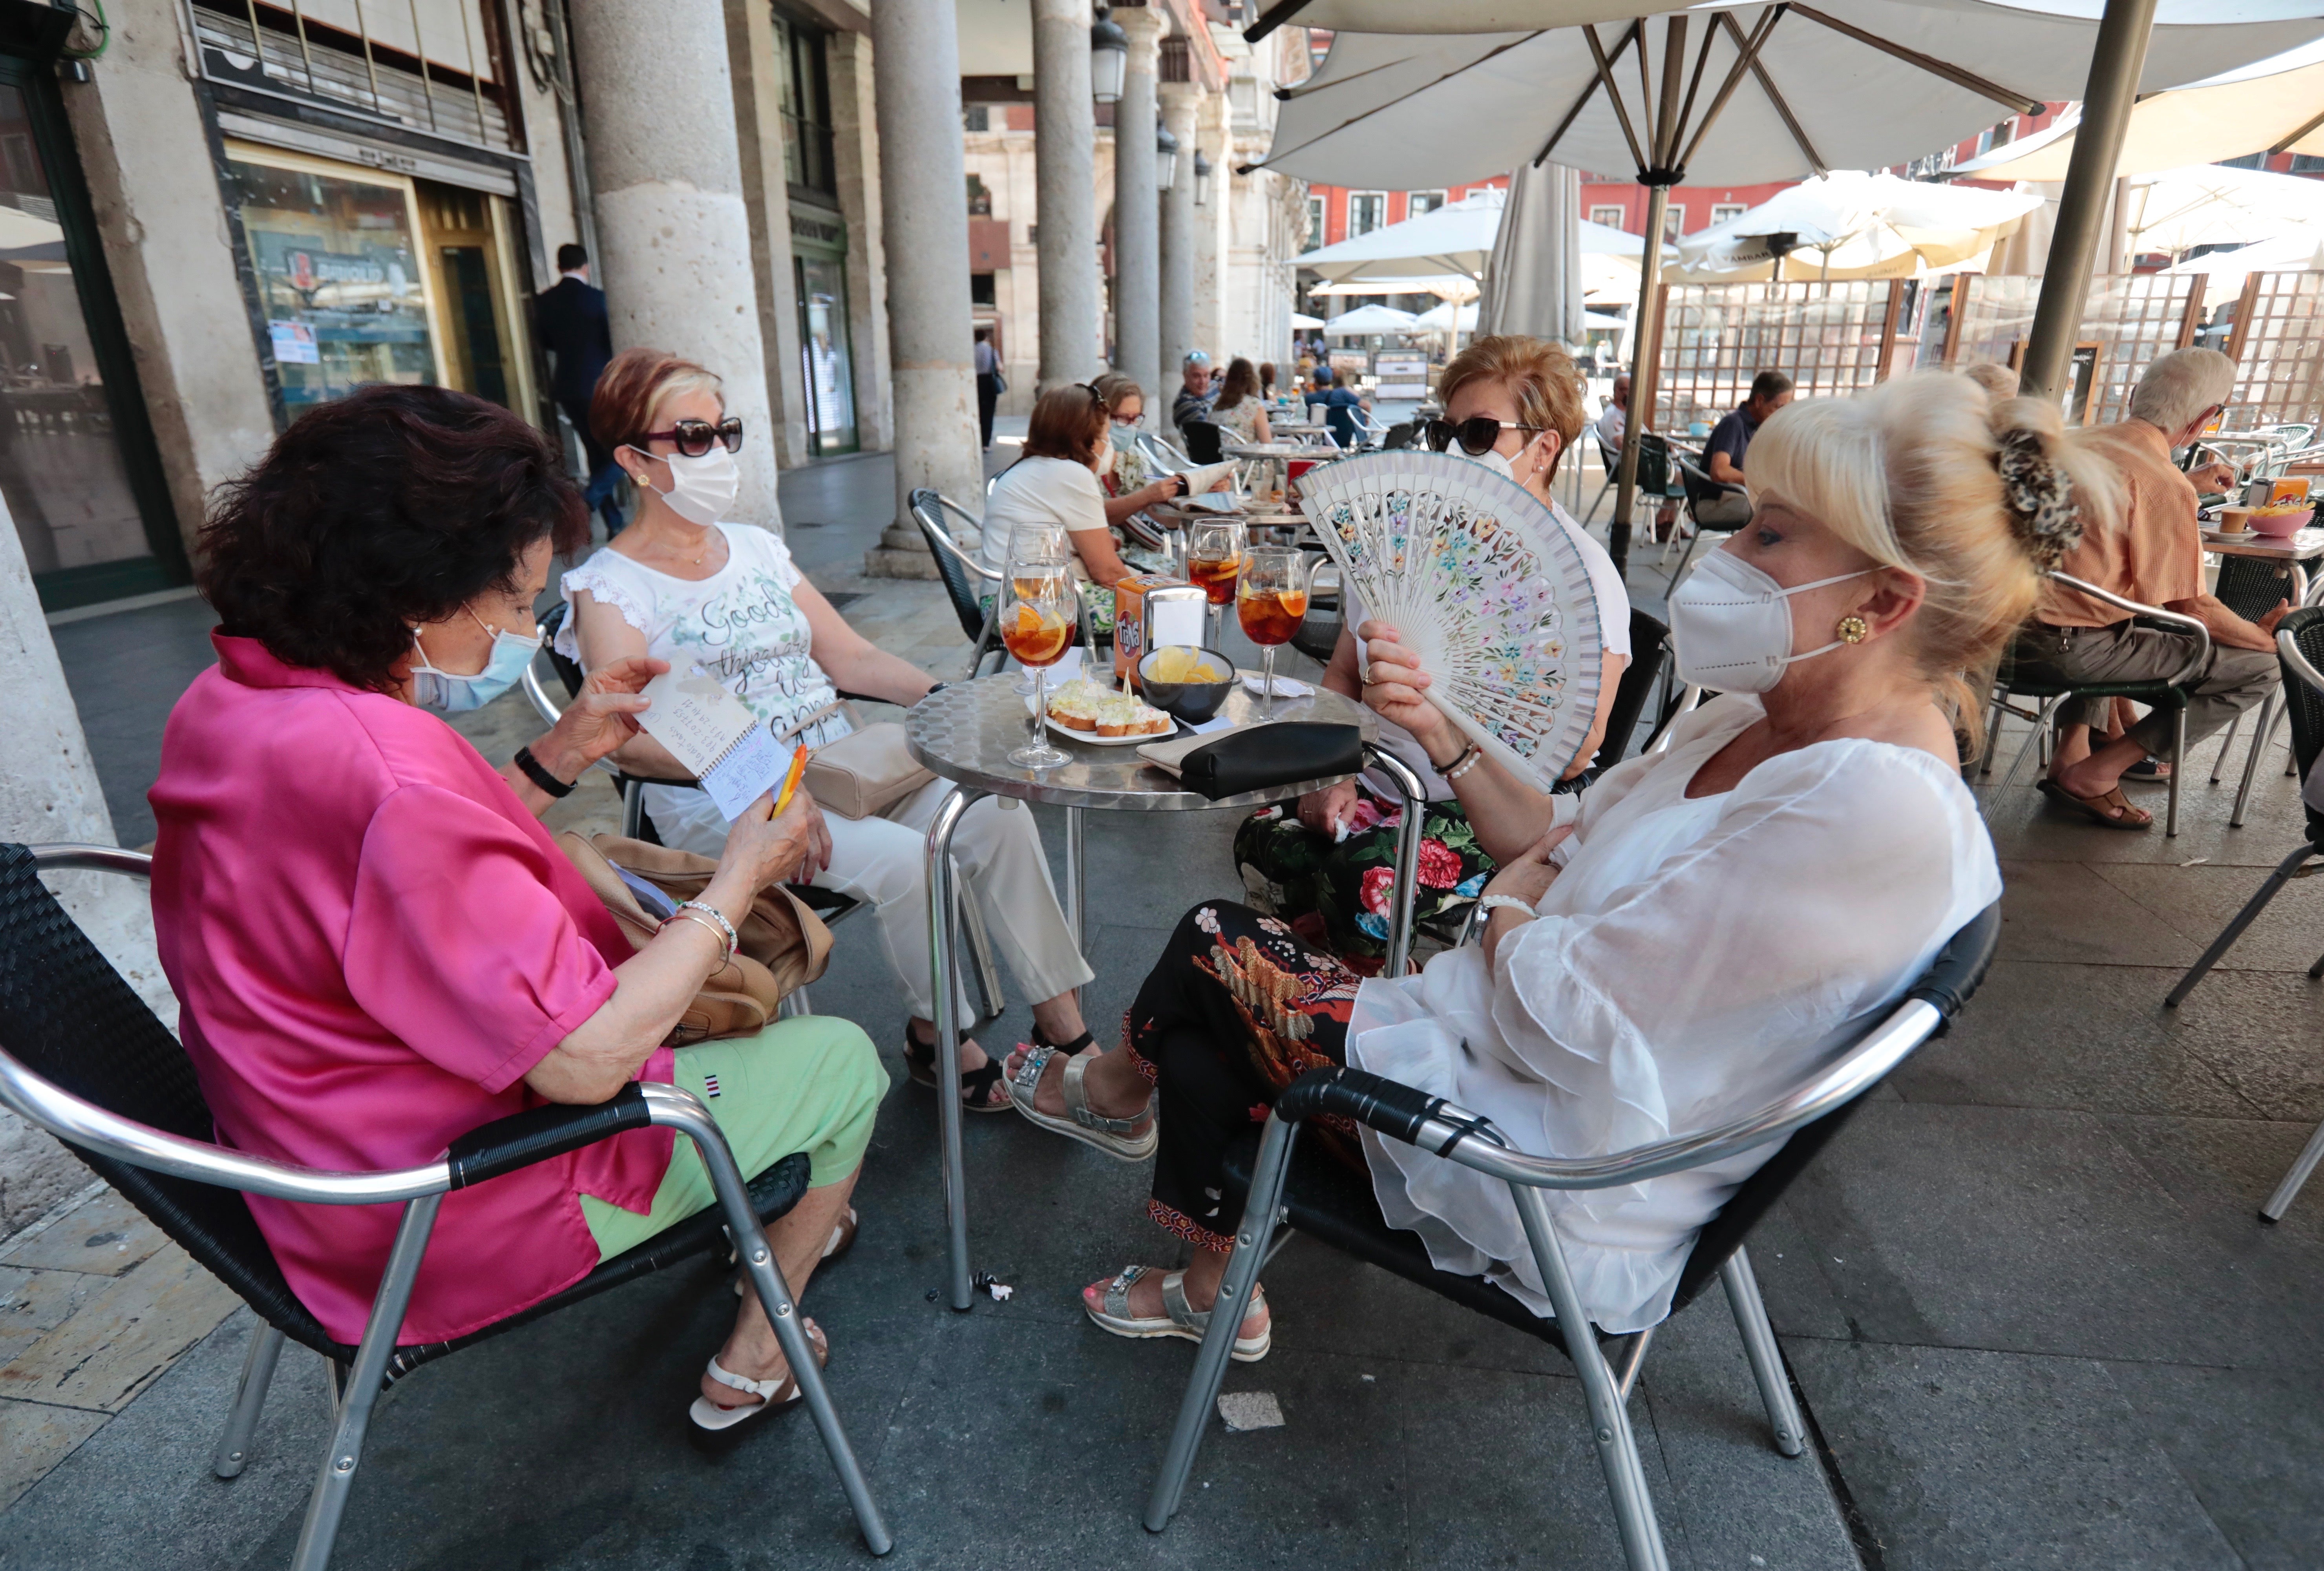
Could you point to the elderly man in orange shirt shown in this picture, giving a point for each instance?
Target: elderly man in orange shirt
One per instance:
(2152, 552)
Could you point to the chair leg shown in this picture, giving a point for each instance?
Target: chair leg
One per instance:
(2227, 743)
(795, 1005)
(1685, 557)
(1760, 1345)
(2281, 1201)
(1258, 1221)
(328, 1503)
(2262, 735)
(2178, 768)
(249, 1402)
(1992, 734)
(2235, 929)
(1609, 1415)
(1634, 1358)
(691, 1119)
(2041, 728)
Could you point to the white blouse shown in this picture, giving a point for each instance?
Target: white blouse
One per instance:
(1693, 959)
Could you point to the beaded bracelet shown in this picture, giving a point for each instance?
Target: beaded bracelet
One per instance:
(712, 914)
(1469, 756)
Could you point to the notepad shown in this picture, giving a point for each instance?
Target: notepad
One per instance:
(715, 736)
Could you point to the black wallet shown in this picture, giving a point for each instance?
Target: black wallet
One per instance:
(1283, 753)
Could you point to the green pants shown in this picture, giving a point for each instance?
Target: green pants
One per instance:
(810, 1084)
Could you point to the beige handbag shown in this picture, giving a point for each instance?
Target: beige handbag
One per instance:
(785, 945)
(864, 773)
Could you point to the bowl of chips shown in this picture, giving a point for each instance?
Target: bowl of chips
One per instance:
(2282, 518)
(1185, 682)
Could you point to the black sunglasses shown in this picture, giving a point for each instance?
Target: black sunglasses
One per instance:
(693, 437)
(1477, 434)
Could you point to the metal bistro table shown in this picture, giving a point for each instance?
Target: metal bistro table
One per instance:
(965, 733)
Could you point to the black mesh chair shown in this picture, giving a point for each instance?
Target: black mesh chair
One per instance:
(2251, 587)
(969, 584)
(1205, 441)
(1609, 460)
(82, 1058)
(2169, 695)
(1279, 1183)
(1702, 490)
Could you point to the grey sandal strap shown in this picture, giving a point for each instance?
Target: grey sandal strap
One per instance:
(1077, 1107)
(1174, 1305)
(1117, 1292)
(1029, 1074)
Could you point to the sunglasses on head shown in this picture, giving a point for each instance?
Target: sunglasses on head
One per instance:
(694, 437)
(1476, 435)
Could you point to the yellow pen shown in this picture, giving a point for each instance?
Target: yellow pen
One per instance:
(790, 780)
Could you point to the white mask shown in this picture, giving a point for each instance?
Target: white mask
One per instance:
(1496, 460)
(701, 490)
(1731, 625)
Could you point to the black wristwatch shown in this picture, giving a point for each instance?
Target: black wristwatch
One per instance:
(539, 775)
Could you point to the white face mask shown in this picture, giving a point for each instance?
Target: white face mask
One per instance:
(451, 693)
(701, 490)
(1731, 625)
(1496, 460)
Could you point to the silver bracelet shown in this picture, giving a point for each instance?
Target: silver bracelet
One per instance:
(1493, 902)
(1468, 758)
(725, 928)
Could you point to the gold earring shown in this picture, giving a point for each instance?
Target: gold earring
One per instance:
(1853, 629)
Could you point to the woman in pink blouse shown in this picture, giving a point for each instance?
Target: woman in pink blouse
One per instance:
(377, 945)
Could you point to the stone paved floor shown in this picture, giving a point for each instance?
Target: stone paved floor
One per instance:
(2024, 1296)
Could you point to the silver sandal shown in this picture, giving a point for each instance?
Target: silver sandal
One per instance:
(1110, 1135)
(1180, 1318)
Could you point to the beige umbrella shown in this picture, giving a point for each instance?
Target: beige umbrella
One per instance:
(2261, 109)
(1850, 225)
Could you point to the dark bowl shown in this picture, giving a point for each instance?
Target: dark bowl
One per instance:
(1193, 702)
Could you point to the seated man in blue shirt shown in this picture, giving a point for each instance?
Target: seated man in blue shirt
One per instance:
(1730, 438)
(1337, 402)
(1196, 396)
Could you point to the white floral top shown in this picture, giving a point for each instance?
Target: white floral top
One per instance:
(740, 624)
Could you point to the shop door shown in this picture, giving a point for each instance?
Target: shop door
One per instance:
(828, 367)
(466, 232)
(79, 468)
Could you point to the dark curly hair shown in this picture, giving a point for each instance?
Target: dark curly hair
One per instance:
(393, 507)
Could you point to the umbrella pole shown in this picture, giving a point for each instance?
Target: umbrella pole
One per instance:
(2087, 206)
(1648, 341)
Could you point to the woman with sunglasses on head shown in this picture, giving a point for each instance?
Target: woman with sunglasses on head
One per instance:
(1512, 404)
(683, 584)
(1056, 479)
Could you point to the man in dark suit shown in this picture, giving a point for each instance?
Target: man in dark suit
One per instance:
(571, 321)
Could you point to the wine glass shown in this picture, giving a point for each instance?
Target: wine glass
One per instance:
(1036, 616)
(1270, 602)
(1214, 558)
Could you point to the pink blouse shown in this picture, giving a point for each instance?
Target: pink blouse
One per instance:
(373, 942)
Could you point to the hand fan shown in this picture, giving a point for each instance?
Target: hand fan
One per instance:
(1483, 583)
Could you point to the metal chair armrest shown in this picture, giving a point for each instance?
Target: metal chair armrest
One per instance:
(538, 1133)
(2289, 650)
(547, 709)
(2202, 656)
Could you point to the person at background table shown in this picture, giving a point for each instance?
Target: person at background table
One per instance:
(1068, 443)
(987, 384)
(1196, 391)
(1678, 944)
(1326, 865)
(1654, 458)
(377, 945)
(1337, 403)
(1130, 481)
(685, 587)
(1730, 440)
(570, 320)
(1241, 409)
(2154, 554)
(1267, 381)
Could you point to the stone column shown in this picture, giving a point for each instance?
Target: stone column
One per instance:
(671, 224)
(855, 160)
(1180, 238)
(1211, 328)
(1136, 217)
(759, 70)
(49, 792)
(924, 202)
(1065, 154)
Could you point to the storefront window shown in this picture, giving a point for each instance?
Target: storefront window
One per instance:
(63, 468)
(830, 371)
(338, 277)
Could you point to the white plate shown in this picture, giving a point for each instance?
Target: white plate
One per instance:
(1094, 740)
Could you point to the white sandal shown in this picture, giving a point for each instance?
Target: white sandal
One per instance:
(772, 1393)
(1113, 1136)
(1180, 1318)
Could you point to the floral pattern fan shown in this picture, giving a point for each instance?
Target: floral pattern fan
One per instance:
(1484, 584)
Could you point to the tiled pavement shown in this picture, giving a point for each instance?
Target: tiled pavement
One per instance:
(2024, 1297)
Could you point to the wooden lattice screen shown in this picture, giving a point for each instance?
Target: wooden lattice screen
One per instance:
(1828, 339)
(2127, 320)
(2279, 348)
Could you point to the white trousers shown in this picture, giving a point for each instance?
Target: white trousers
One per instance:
(883, 862)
